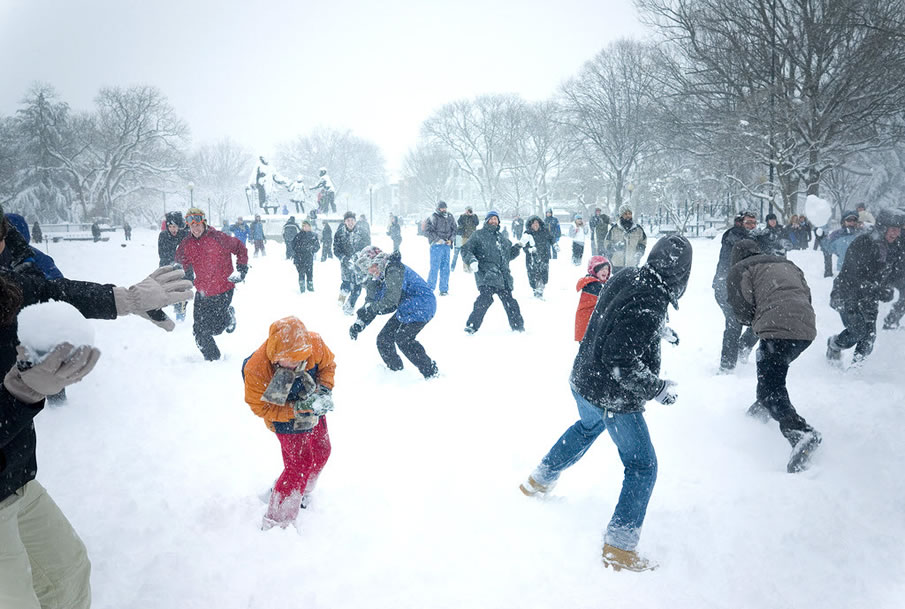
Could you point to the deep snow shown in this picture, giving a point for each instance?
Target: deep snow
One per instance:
(158, 462)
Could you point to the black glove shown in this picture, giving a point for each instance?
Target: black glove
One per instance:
(190, 274)
(885, 294)
(356, 329)
(239, 275)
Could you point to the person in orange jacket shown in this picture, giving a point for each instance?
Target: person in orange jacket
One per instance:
(599, 269)
(299, 421)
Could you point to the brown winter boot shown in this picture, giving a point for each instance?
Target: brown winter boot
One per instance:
(532, 487)
(625, 559)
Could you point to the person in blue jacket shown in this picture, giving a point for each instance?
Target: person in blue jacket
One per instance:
(240, 230)
(394, 287)
(39, 259)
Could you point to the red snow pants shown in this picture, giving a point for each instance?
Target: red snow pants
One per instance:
(304, 456)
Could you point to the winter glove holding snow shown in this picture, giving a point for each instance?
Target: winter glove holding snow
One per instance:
(885, 294)
(556, 247)
(669, 335)
(356, 329)
(239, 275)
(323, 401)
(165, 286)
(473, 266)
(63, 366)
(667, 394)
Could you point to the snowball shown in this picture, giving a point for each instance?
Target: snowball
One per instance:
(45, 325)
(819, 211)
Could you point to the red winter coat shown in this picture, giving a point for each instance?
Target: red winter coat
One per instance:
(210, 257)
(589, 287)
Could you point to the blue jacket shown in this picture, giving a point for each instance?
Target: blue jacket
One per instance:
(257, 231)
(399, 289)
(42, 261)
(240, 232)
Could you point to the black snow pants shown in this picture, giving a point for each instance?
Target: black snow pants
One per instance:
(485, 299)
(774, 355)
(211, 318)
(397, 333)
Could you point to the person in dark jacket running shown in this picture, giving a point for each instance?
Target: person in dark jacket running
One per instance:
(770, 294)
(615, 373)
(393, 287)
(167, 242)
(734, 340)
(487, 254)
(537, 243)
(864, 281)
(304, 246)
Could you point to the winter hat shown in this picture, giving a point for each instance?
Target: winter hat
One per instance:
(348, 214)
(175, 218)
(849, 214)
(769, 217)
(596, 262)
(578, 216)
(625, 207)
(195, 211)
(369, 256)
(441, 205)
(670, 259)
(306, 223)
(887, 217)
(490, 214)
(292, 219)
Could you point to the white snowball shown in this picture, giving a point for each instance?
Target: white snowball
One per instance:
(45, 325)
(818, 210)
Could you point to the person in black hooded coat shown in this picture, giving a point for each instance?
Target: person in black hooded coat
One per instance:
(614, 374)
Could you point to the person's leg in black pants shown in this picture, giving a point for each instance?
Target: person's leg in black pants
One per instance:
(773, 359)
(481, 304)
(512, 310)
(397, 333)
(211, 317)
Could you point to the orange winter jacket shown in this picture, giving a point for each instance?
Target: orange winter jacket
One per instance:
(589, 287)
(288, 339)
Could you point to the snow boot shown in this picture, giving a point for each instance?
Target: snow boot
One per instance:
(342, 297)
(302, 286)
(802, 451)
(231, 326)
(432, 372)
(532, 487)
(759, 412)
(310, 286)
(470, 329)
(833, 352)
(620, 559)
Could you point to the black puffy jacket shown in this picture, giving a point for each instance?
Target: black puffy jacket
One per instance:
(493, 252)
(618, 361)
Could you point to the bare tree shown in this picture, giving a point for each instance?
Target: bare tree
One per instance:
(801, 84)
(481, 136)
(428, 170)
(353, 163)
(220, 173)
(609, 105)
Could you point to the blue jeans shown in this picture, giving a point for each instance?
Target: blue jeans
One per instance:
(455, 257)
(439, 262)
(629, 434)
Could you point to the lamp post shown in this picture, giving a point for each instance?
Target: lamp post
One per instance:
(630, 188)
(191, 194)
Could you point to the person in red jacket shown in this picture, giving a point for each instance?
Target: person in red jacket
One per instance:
(207, 257)
(599, 269)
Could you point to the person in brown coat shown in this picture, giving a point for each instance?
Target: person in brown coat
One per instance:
(770, 294)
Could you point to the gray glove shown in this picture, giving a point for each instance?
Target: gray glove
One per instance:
(473, 266)
(667, 394)
(63, 366)
(165, 286)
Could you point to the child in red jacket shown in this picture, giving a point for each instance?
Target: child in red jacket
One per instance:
(599, 269)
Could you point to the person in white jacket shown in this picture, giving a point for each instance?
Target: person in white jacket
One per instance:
(579, 233)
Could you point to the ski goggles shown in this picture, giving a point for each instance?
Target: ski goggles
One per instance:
(194, 219)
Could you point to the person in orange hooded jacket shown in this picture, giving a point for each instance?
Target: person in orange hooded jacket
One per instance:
(300, 423)
(599, 269)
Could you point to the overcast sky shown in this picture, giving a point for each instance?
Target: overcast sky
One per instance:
(263, 72)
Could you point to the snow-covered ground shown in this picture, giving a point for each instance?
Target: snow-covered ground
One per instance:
(158, 462)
